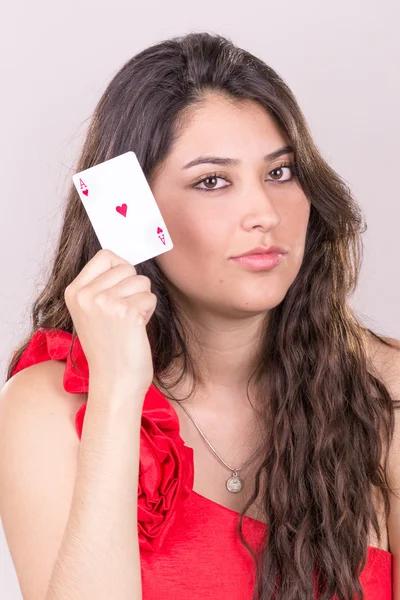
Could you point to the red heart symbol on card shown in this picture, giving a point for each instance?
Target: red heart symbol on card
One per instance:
(85, 192)
(122, 209)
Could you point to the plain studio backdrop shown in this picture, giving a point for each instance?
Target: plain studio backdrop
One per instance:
(341, 59)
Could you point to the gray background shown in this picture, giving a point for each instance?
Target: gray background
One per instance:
(340, 59)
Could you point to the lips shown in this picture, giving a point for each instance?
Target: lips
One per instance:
(260, 262)
(260, 250)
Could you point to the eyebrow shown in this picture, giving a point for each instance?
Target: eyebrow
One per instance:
(231, 162)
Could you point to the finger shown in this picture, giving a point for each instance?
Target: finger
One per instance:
(112, 277)
(144, 304)
(131, 286)
(101, 262)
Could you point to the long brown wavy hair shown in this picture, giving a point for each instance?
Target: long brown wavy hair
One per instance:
(329, 418)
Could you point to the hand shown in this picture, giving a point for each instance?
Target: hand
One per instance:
(110, 306)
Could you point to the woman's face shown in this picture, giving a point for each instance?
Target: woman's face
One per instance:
(235, 209)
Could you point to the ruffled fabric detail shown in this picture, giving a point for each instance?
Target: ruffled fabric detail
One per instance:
(166, 467)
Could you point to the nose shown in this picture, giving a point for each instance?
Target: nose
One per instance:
(259, 211)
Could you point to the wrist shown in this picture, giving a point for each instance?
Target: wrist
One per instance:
(115, 393)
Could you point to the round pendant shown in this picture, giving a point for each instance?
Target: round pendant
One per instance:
(234, 484)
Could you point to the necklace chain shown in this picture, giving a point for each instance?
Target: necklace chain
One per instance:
(234, 483)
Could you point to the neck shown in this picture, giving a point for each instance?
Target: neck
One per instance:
(224, 354)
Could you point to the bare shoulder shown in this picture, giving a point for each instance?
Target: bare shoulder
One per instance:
(38, 386)
(34, 403)
(385, 362)
(39, 449)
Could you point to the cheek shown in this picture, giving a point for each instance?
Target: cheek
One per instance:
(293, 227)
(198, 247)
(195, 235)
(297, 214)
(198, 243)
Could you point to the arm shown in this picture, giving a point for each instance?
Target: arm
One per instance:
(69, 510)
(394, 517)
(387, 362)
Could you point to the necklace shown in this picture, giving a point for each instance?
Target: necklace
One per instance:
(234, 484)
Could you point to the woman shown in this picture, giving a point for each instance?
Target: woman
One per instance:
(263, 407)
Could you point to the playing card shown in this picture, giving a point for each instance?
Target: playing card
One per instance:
(122, 209)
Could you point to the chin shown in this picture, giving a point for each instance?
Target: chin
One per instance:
(259, 298)
(263, 305)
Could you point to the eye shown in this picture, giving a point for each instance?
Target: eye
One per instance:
(210, 179)
(284, 167)
(280, 178)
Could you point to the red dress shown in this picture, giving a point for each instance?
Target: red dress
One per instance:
(188, 544)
